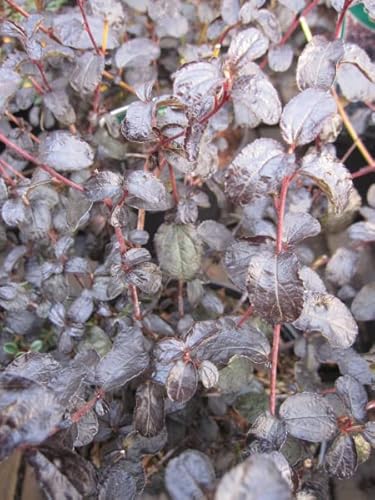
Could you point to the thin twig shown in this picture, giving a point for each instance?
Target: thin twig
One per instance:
(33, 159)
(87, 26)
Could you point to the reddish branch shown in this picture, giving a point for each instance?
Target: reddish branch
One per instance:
(341, 18)
(280, 210)
(29, 157)
(84, 409)
(370, 169)
(249, 311)
(87, 26)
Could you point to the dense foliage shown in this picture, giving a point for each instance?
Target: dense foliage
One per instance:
(187, 270)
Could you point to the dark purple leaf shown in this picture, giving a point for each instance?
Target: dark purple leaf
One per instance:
(280, 57)
(270, 428)
(326, 314)
(258, 170)
(208, 374)
(299, 226)
(275, 288)
(137, 52)
(126, 360)
(149, 409)
(362, 231)
(317, 64)
(137, 125)
(341, 459)
(342, 266)
(65, 152)
(10, 82)
(63, 471)
(190, 475)
(118, 478)
(257, 478)
(330, 175)
(182, 381)
(304, 116)
(308, 416)
(87, 73)
(354, 396)
(59, 104)
(220, 340)
(236, 261)
(363, 304)
(215, 235)
(104, 184)
(29, 412)
(146, 191)
(269, 24)
(246, 46)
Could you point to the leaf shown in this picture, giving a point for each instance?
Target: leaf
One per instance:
(326, 314)
(147, 192)
(189, 476)
(268, 427)
(354, 396)
(342, 266)
(356, 74)
(179, 250)
(126, 360)
(58, 103)
(215, 235)
(257, 478)
(120, 477)
(149, 409)
(137, 52)
(146, 276)
(275, 287)
(369, 432)
(29, 412)
(65, 152)
(316, 66)
(246, 46)
(87, 73)
(304, 116)
(258, 170)
(255, 100)
(63, 471)
(363, 304)
(236, 375)
(220, 340)
(229, 10)
(330, 175)
(10, 82)
(341, 458)
(195, 82)
(362, 231)
(208, 374)
(236, 261)
(298, 226)
(137, 124)
(182, 381)
(280, 58)
(309, 417)
(104, 184)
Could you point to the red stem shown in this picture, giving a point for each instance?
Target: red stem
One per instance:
(370, 169)
(181, 311)
(341, 17)
(249, 311)
(294, 25)
(136, 304)
(280, 209)
(87, 26)
(40, 67)
(27, 156)
(84, 409)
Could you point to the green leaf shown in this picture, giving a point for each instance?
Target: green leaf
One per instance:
(10, 348)
(179, 250)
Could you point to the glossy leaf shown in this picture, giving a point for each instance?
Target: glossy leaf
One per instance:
(304, 116)
(257, 478)
(146, 191)
(308, 416)
(317, 64)
(189, 475)
(330, 175)
(275, 288)
(126, 360)
(354, 396)
(341, 459)
(149, 409)
(179, 250)
(326, 314)
(182, 381)
(65, 152)
(258, 170)
(363, 303)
